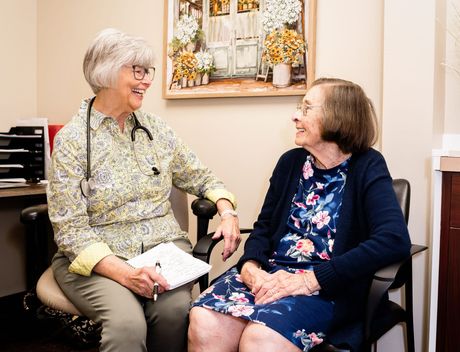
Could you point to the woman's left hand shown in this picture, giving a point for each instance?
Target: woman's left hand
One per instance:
(282, 284)
(229, 229)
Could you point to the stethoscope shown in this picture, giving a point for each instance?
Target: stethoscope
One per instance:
(88, 184)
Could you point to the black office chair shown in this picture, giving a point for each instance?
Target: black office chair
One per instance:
(381, 314)
(45, 297)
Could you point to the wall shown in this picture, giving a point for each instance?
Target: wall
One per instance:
(18, 60)
(258, 128)
(452, 68)
(409, 107)
(394, 59)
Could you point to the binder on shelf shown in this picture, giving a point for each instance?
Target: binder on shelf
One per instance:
(22, 153)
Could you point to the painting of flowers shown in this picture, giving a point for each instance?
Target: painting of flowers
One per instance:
(225, 48)
(283, 46)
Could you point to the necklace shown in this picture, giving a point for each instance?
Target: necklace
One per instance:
(333, 163)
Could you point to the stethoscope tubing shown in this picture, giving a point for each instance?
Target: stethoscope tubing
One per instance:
(86, 186)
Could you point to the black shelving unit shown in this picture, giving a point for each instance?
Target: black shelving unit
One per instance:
(22, 153)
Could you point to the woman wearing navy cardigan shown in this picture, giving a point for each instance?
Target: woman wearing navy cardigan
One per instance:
(330, 219)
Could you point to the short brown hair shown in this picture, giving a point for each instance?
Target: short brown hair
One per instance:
(349, 115)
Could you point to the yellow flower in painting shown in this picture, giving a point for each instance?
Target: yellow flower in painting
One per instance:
(283, 46)
(185, 66)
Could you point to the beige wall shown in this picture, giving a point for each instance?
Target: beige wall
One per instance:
(452, 68)
(258, 128)
(407, 129)
(18, 61)
(394, 52)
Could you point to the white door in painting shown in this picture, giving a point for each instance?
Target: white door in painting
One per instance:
(233, 35)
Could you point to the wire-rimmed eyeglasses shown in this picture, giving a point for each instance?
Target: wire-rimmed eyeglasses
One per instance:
(303, 108)
(139, 72)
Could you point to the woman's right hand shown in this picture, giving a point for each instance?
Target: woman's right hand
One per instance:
(253, 276)
(141, 281)
(138, 280)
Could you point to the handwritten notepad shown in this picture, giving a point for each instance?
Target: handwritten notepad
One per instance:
(177, 266)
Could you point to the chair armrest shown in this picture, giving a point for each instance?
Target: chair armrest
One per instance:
(391, 276)
(40, 246)
(389, 273)
(203, 207)
(33, 213)
(203, 250)
(206, 244)
(204, 210)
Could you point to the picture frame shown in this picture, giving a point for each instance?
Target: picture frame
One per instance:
(238, 48)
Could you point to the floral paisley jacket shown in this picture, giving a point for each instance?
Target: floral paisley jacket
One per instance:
(129, 207)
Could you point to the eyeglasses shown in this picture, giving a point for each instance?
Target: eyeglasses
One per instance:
(140, 72)
(303, 109)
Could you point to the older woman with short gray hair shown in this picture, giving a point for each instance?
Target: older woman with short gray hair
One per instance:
(113, 167)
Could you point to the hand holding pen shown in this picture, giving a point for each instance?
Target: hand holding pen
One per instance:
(156, 285)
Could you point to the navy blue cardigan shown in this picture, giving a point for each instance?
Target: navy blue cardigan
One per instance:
(371, 233)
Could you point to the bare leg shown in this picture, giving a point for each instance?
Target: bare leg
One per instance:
(211, 331)
(257, 337)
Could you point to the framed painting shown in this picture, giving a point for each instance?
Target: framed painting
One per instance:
(237, 48)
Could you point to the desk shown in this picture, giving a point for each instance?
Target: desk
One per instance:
(12, 235)
(32, 191)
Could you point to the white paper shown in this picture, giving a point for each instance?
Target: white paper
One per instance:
(11, 166)
(177, 266)
(20, 135)
(14, 180)
(22, 150)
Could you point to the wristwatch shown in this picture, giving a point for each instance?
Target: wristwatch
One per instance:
(228, 212)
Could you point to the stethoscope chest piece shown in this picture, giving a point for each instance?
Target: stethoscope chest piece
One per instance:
(87, 186)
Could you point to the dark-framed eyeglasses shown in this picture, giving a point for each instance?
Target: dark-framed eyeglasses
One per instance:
(139, 72)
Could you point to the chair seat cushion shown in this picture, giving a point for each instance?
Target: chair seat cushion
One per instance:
(51, 295)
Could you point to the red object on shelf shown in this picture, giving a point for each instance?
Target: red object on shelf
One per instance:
(52, 130)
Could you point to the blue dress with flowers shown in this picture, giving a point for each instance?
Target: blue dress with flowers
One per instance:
(309, 240)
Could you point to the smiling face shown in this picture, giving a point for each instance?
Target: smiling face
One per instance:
(130, 91)
(308, 121)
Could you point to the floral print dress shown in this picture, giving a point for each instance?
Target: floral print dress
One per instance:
(309, 240)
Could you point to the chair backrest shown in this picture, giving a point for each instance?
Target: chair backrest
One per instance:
(179, 205)
(402, 190)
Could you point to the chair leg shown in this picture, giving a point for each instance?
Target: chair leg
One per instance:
(410, 345)
(409, 312)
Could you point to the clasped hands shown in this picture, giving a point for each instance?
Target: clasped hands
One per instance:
(268, 287)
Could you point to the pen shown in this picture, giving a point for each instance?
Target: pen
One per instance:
(155, 285)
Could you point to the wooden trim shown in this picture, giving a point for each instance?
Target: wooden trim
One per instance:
(164, 55)
(311, 64)
(449, 163)
(443, 261)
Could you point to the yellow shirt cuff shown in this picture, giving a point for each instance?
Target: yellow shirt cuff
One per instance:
(88, 258)
(215, 194)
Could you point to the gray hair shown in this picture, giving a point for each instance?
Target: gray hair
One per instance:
(109, 52)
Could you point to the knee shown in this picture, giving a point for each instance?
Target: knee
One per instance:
(201, 326)
(124, 331)
(254, 335)
(173, 314)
